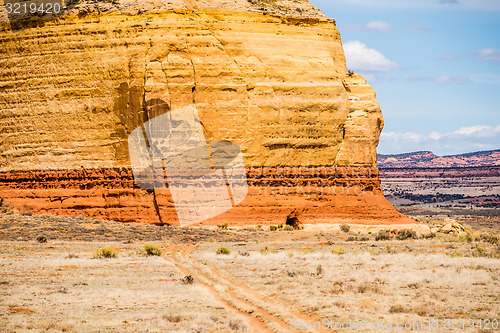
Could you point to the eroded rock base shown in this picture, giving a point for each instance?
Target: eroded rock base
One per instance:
(318, 194)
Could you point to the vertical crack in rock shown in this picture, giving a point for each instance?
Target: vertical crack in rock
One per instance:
(188, 52)
(147, 118)
(167, 85)
(194, 78)
(151, 151)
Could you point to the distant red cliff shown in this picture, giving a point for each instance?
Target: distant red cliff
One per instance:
(427, 159)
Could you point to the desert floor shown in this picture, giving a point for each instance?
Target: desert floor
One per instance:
(271, 281)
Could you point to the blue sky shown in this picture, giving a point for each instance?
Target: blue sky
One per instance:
(435, 65)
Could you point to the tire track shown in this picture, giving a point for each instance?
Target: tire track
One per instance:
(254, 321)
(262, 313)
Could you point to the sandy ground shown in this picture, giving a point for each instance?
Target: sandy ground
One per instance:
(271, 281)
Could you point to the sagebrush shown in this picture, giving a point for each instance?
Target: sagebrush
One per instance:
(105, 252)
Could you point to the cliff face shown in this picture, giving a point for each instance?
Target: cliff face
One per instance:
(75, 87)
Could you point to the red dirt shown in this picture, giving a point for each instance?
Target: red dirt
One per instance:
(20, 310)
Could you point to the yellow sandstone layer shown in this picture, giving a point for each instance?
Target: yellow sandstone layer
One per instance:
(73, 89)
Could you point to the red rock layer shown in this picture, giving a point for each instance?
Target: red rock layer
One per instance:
(319, 194)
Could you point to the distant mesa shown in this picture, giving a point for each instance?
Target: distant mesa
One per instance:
(427, 159)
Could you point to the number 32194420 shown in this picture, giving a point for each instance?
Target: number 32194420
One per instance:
(460, 324)
(31, 7)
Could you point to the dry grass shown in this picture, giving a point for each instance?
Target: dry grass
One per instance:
(152, 249)
(131, 293)
(419, 284)
(414, 280)
(105, 253)
(223, 250)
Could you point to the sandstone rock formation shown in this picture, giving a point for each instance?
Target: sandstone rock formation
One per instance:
(269, 76)
(450, 226)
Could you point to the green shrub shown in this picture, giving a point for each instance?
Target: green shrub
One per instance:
(338, 251)
(153, 250)
(479, 252)
(288, 228)
(222, 226)
(273, 228)
(404, 234)
(105, 252)
(383, 235)
(223, 250)
(345, 227)
(492, 239)
(431, 235)
(358, 238)
(265, 250)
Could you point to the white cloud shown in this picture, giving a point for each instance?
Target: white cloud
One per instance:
(456, 79)
(486, 78)
(448, 2)
(492, 55)
(361, 58)
(478, 131)
(379, 26)
(418, 78)
(443, 79)
(465, 139)
(488, 54)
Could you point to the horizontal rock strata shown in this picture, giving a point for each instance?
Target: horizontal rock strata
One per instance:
(269, 77)
(319, 195)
